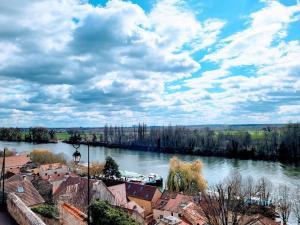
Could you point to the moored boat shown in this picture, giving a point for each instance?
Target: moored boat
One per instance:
(154, 180)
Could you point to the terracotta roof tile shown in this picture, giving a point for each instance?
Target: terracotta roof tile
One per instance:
(15, 161)
(119, 191)
(74, 211)
(52, 166)
(193, 214)
(76, 189)
(173, 202)
(24, 189)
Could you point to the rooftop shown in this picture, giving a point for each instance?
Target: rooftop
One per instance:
(74, 211)
(119, 191)
(193, 214)
(141, 191)
(173, 202)
(15, 161)
(52, 166)
(24, 189)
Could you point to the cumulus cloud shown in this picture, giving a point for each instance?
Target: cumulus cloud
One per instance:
(271, 61)
(68, 59)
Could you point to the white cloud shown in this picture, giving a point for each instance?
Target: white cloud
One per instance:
(69, 56)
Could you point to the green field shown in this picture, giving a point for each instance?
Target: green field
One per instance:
(62, 136)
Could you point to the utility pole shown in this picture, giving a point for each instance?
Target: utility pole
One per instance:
(3, 178)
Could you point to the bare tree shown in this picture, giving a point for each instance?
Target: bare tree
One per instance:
(224, 204)
(283, 203)
(249, 187)
(296, 204)
(264, 188)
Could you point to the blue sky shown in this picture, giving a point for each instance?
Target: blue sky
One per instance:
(88, 63)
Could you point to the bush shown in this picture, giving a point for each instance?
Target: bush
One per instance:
(46, 211)
(103, 213)
(46, 156)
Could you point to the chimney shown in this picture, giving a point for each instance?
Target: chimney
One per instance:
(24, 177)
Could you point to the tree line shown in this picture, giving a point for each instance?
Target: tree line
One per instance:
(274, 143)
(33, 134)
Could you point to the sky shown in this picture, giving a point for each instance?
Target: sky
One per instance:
(70, 63)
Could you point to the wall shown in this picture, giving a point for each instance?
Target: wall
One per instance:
(101, 192)
(146, 205)
(69, 215)
(20, 212)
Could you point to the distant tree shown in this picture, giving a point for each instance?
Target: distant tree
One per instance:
(94, 139)
(185, 177)
(111, 168)
(39, 134)
(75, 137)
(52, 134)
(102, 213)
(46, 156)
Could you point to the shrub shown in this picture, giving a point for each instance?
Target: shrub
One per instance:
(46, 211)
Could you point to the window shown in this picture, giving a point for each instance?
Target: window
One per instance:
(20, 189)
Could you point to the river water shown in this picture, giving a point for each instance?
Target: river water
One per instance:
(215, 169)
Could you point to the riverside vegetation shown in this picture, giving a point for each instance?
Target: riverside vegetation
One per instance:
(269, 143)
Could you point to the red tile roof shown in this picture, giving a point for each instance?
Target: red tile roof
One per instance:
(24, 189)
(193, 214)
(258, 220)
(74, 211)
(141, 191)
(76, 188)
(52, 166)
(15, 161)
(54, 177)
(119, 192)
(173, 202)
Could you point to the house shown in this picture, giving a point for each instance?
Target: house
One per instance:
(15, 163)
(193, 214)
(53, 169)
(144, 195)
(55, 180)
(74, 189)
(24, 189)
(74, 192)
(135, 210)
(171, 204)
(54, 173)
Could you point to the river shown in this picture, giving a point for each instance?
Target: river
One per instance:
(215, 169)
